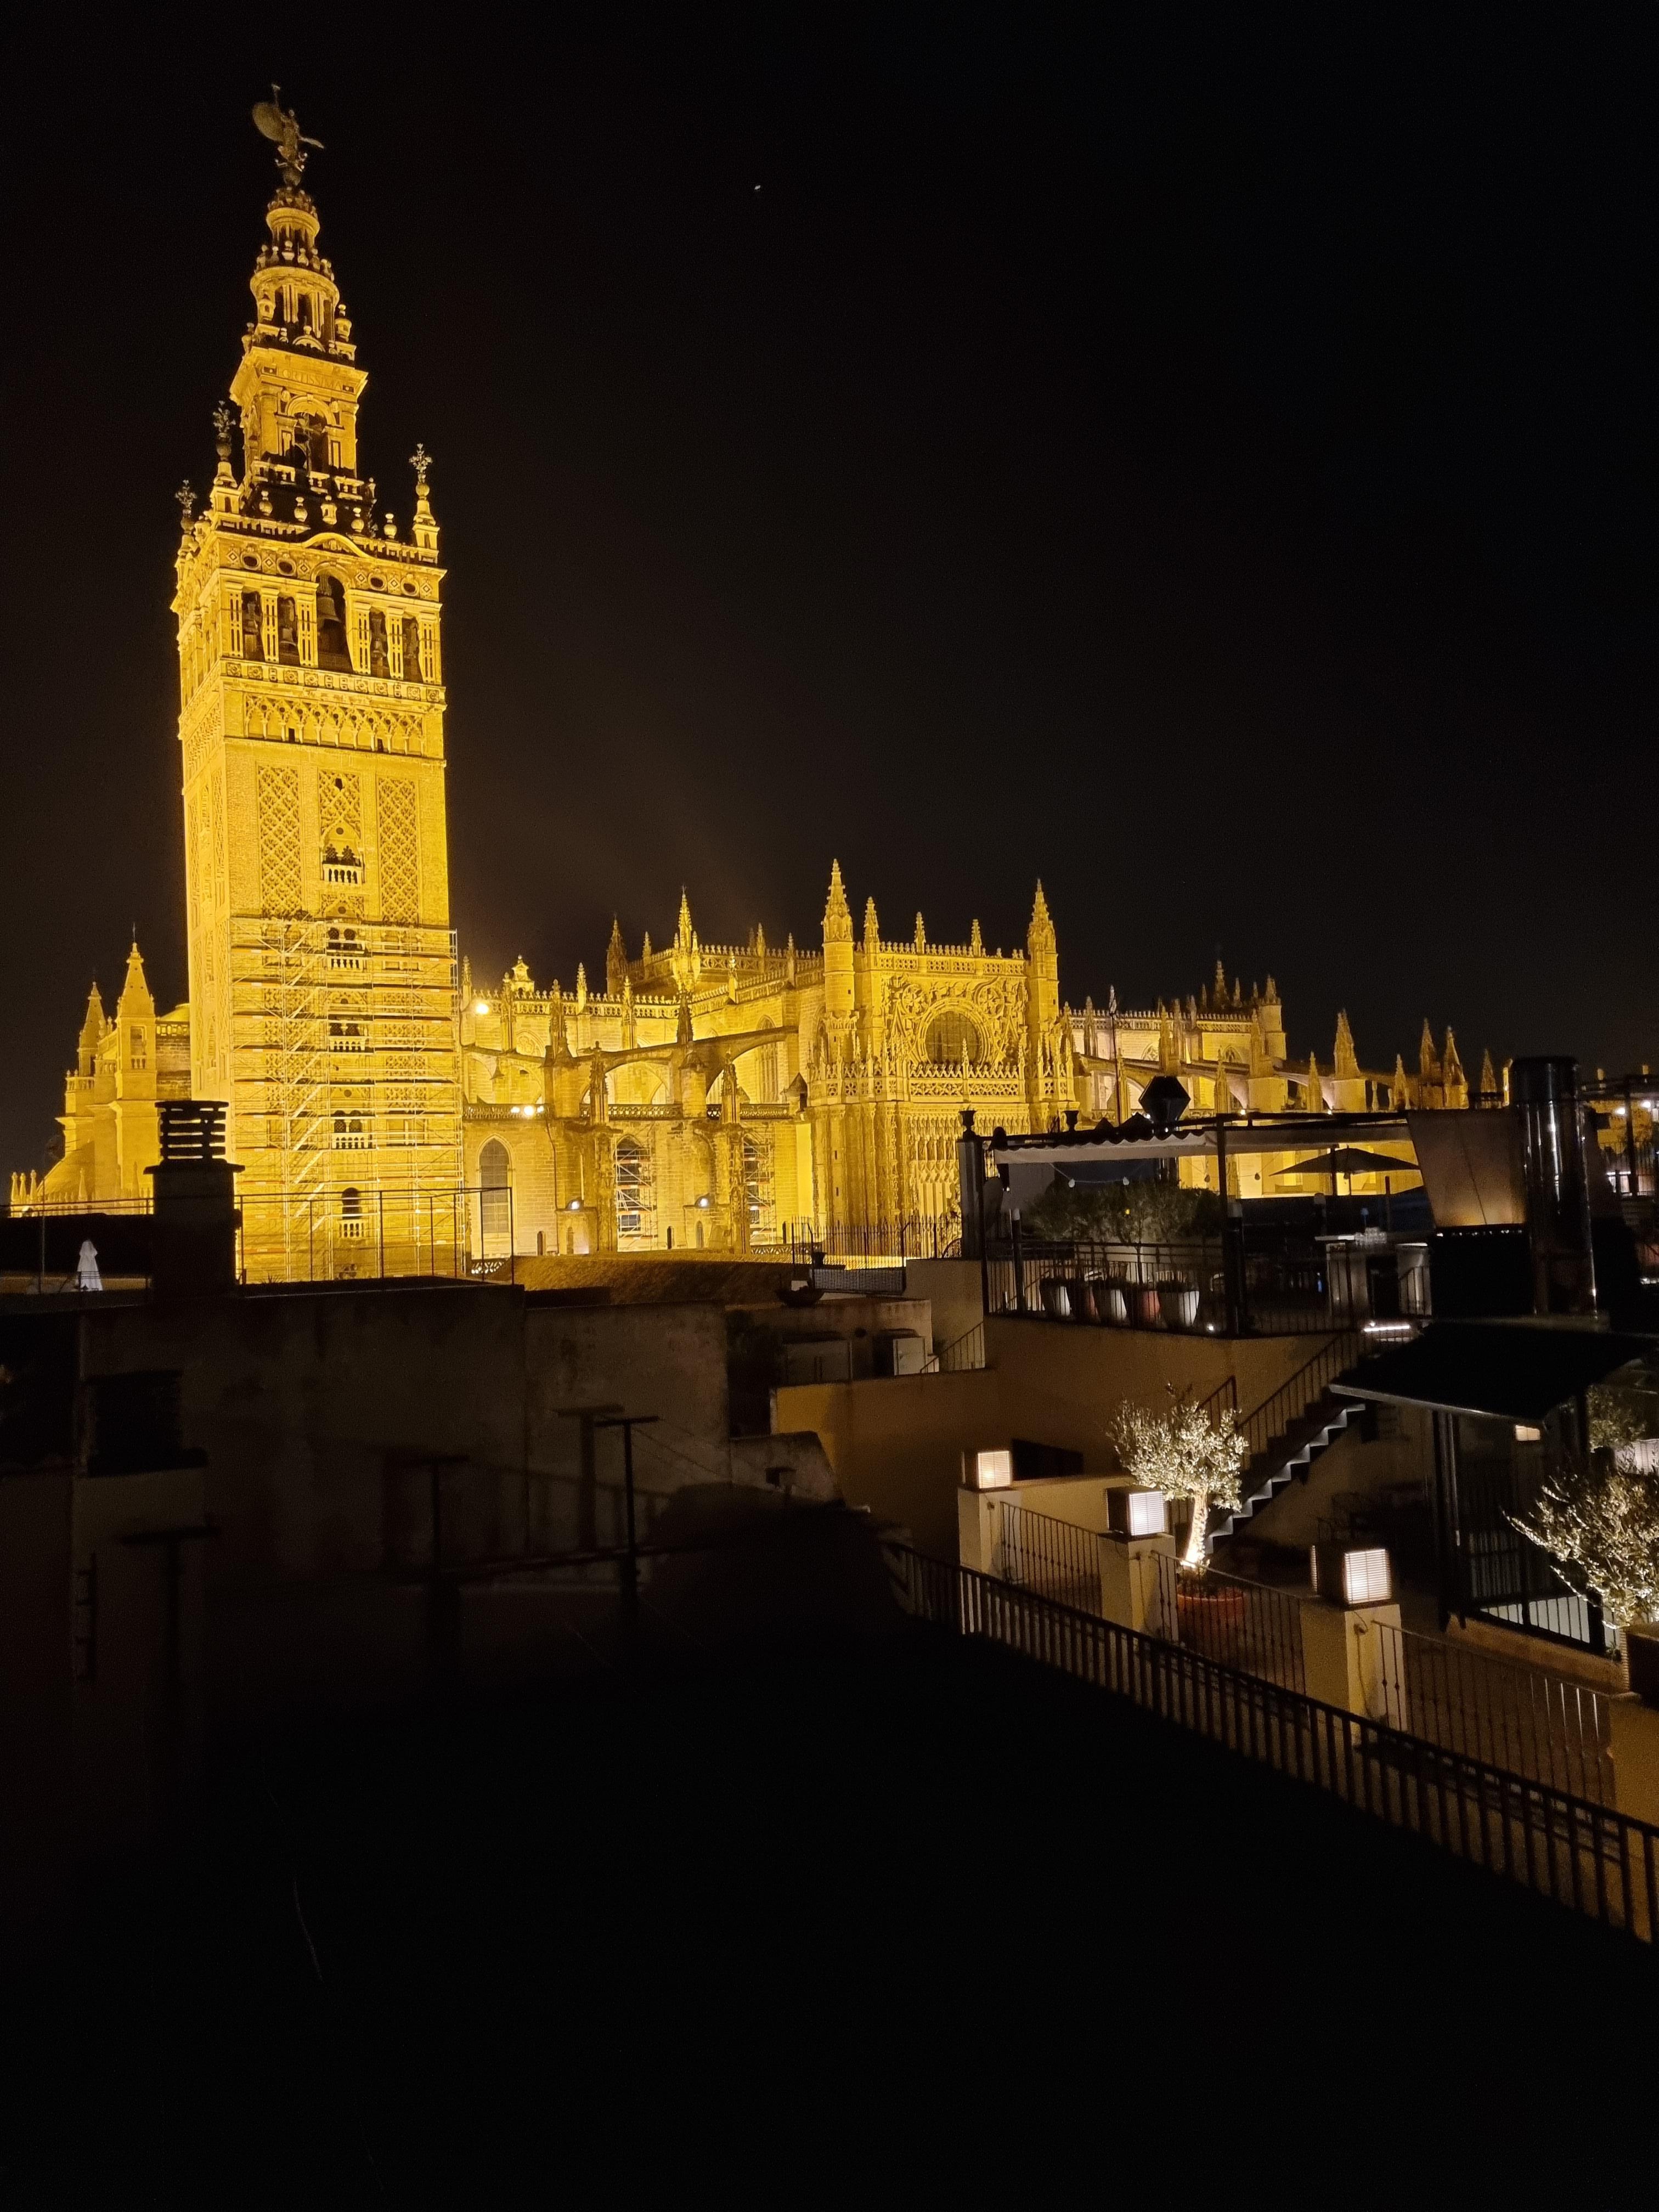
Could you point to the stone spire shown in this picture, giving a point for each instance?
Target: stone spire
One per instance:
(1402, 1089)
(837, 915)
(1428, 1065)
(976, 942)
(616, 960)
(136, 1001)
(1223, 1092)
(1314, 1093)
(871, 927)
(1346, 1060)
(1454, 1082)
(1490, 1091)
(1040, 935)
(921, 935)
(92, 1029)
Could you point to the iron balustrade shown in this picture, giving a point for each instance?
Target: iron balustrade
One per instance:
(1035, 1551)
(908, 1236)
(1281, 1285)
(1547, 1726)
(1279, 1411)
(1250, 1626)
(1589, 1857)
(962, 1355)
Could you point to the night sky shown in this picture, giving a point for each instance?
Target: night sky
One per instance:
(1191, 457)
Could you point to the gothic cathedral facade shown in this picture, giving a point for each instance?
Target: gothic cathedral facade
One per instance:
(389, 1113)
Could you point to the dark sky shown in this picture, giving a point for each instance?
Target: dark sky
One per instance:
(1193, 458)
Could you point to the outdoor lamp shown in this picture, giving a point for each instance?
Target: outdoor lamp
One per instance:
(1137, 1512)
(1351, 1575)
(987, 1470)
(575, 1207)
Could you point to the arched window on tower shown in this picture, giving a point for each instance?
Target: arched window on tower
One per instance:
(495, 1198)
(952, 1039)
(636, 1218)
(253, 626)
(379, 663)
(288, 631)
(351, 1212)
(333, 650)
(412, 650)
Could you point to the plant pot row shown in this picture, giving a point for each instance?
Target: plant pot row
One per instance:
(1120, 1305)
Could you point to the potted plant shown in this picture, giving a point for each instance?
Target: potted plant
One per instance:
(1177, 1301)
(1185, 1451)
(1110, 1307)
(1600, 1522)
(1144, 1309)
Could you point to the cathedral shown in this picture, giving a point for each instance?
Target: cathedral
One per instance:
(390, 1112)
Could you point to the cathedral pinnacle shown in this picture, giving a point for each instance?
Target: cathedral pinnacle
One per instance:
(837, 914)
(616, 960)
(1346, 1059)
(871, 926)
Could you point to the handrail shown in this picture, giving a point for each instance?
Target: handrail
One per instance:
(1262, 1424)
(935, 1361)
(1591, 1858)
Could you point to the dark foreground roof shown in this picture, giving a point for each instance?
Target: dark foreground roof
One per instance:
(1513, 1370)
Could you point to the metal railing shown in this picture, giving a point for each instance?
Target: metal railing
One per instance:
(1587, 1857)
(1279, 1411)
(909, 1237)
(961, 1356)
(1250, 1626)
(1034, 1550)
(1547, 1726)
(1281, 1285)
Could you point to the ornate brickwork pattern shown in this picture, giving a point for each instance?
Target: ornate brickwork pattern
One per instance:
(280, 883)
(400, 850)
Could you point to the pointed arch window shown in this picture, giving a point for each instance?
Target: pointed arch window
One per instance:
(412, 672)
(253, 626)
(952, 1039)
(495, 1194)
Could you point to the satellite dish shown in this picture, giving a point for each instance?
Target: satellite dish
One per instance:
(269, 121)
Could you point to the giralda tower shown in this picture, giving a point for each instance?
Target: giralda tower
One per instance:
(322, 983)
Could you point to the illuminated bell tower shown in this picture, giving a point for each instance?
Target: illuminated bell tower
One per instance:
(312, 728)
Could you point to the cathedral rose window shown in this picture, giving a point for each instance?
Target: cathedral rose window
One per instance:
(951, 1040)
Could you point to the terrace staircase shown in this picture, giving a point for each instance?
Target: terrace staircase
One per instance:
(1288, 1431)
(1288, 1458)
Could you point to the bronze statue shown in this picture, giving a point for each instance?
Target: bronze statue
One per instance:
(281, 127)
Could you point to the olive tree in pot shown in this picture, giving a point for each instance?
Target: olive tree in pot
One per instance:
(1185, 1451)
(1600, 1522)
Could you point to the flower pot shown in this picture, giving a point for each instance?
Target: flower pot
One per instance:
(1110, 1305)
(1144, 1309)
(1178, 1303)
(1056, 1299)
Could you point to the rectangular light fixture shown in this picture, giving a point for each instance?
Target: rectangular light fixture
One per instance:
(987, 1470)
(1360, 1576)
(1137, 1512)
(1526, 1434)
(1365, 1578)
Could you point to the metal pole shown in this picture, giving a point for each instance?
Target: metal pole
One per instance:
(630, 1566)
(1630, 1137)
(379, 1200)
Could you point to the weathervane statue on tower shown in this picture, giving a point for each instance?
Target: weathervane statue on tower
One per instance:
(281, 125)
